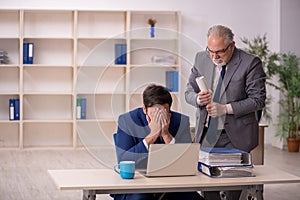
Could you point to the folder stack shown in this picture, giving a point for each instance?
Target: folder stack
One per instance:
(225, 162)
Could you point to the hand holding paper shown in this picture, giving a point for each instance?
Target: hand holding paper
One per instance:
(204, 96)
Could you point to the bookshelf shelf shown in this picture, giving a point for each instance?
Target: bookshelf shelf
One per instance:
(74, 57)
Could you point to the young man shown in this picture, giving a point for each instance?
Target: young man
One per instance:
(153, 123)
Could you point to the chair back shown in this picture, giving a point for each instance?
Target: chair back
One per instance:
(116, 148)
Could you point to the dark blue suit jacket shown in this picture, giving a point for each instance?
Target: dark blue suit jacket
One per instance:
(133, 128)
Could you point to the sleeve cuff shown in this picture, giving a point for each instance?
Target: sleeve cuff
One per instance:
(145, 144)
(172, 141)
(229, 109)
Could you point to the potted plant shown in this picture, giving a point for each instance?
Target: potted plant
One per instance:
(152, 23)
(289, 78)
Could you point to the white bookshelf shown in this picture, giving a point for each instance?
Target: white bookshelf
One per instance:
(74, 57)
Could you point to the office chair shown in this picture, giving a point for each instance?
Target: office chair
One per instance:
(116, 148)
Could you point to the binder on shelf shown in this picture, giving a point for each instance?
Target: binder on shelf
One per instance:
(17, 109)
(78, 108)
(120, 54)
(172, 80)
(14, 109)
(28, 53)
(11, 110)
(83, 108)
(226, 171)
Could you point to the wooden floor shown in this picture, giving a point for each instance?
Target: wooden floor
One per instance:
(23, 173)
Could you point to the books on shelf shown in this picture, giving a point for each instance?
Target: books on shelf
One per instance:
(81, 108)
(120, 54)
(28, 53)
(172, 80)
(3, 57)
(14, 109)
(225, 162)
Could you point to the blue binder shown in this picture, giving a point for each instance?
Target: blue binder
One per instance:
(172, 81)
(120, 54)
(83, 109)
(28, 53)
(17, 109)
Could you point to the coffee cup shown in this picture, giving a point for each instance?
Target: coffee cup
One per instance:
(126, 169)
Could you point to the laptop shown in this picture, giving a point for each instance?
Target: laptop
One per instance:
(180, 159)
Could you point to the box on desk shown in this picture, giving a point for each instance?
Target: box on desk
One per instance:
(225, 162)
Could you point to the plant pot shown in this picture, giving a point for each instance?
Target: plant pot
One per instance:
(293, 144)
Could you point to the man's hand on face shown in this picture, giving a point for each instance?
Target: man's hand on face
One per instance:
(154, 119)
(216, 109)
(165, 121)
(159, 121)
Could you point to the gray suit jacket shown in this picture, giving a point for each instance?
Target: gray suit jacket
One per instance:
(243, 87)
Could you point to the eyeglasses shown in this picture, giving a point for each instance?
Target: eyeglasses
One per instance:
(219, 52)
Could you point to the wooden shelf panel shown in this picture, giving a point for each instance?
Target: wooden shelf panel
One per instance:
(48, 79)
(144, 52)
(47, 107)
(48, 24)
(9, 23)
(43, 134)
(167, 25)
(96, 52)
(101, 24)
(9, 135)
(96, 133)
(11, 46)
(104, 106)
(52, 51)
(100, 80)
(9, 79)
(4, 105)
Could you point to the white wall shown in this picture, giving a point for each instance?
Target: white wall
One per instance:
(246, 18)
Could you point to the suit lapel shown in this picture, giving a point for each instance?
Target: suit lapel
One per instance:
(208, 71)
(232, 66)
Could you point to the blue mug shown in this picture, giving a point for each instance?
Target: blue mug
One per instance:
(126, 169)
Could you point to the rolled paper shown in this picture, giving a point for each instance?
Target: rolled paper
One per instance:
(202, 83)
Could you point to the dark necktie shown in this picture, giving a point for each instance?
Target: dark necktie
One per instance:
(219, 85)
(212, 132)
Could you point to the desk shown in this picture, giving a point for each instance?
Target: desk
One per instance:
(106, 181)
(258, 152)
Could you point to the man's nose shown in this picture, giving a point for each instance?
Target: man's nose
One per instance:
(215, 56)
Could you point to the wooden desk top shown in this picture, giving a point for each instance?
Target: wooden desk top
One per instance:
(107, 181)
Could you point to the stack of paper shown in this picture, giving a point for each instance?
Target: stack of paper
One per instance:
(3, 57)
(225, 162)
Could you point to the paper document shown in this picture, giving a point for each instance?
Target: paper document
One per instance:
(201, 81)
